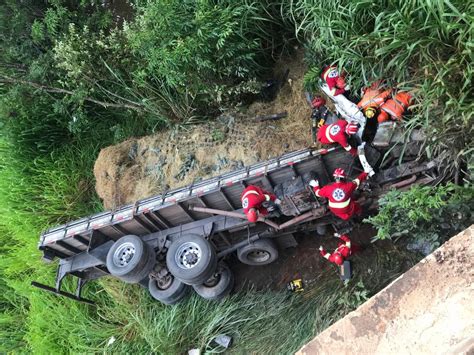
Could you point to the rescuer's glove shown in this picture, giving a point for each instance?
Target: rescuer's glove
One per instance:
(314, 183)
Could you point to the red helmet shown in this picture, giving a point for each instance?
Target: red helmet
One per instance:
(340, 82)
(338, 259)
(352, 128)
(252, 215)
(318, 101)
(339, 173)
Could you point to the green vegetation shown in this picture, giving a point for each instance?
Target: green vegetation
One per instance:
(425, 216)
(72, 81)
(422, 46)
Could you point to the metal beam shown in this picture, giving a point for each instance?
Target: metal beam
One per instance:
(226, 199)
(120, 229)
(162, 219)
(202, 201)
(268, 180)
(81, 239)
(224, 238)
(150, 220)
(145, 225)
(184, 210)
(68, 247)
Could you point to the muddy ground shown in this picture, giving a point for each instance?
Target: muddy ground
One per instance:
(141, 167)
(301, 262)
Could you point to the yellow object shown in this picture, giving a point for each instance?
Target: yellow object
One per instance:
(370, 112)
(296, 285)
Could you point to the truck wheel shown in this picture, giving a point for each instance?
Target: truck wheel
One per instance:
(321, 229)
(130, 259)
(218, 285)
(191, 259)
(168, 290)
(260, 252)
(147, 268)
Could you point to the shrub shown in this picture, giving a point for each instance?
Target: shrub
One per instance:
(424, 217)
(198, 49)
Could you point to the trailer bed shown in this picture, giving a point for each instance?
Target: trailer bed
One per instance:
(170, 209)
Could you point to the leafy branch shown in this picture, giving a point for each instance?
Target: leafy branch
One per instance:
(133, 106)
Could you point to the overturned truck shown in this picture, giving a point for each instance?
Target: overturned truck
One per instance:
(178, 241)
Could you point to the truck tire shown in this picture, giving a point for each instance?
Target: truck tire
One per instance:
(321, 229)
(260, 252)
(130, 258)
(147, 268)
(168, 293)
(218, 286)
(191, 259)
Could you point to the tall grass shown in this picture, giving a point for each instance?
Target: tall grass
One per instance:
(268, 322)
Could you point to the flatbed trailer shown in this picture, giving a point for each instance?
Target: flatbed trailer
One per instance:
(180, 238)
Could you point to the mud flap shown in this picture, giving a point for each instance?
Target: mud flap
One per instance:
(363, 160)
(347, 109)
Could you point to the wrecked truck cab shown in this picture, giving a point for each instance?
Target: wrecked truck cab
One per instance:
(391, 133)
(179, 241)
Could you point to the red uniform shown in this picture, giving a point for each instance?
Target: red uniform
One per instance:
(253, 197)
(330, 75)
(335, 133)
(339, 195)
(343, 249)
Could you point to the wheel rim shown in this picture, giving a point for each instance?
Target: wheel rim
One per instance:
(124, 254)
(215, 278)
(188, 255)
(259, 256)
(164, 283)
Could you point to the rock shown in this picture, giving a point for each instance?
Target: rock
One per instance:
(133, 152)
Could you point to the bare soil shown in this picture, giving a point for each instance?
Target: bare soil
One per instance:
(302, 262)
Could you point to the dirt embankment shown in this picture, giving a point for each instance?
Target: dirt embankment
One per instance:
(141, 167)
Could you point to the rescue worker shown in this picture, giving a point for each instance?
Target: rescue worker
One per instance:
(317, 102)
(343, 250)
(253, 199)
(339, 194)
(335, 81)
(319, 114)
(338, 133)
(395, 107)
(374, 96)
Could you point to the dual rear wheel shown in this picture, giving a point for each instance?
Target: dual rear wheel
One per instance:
(190, 261)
